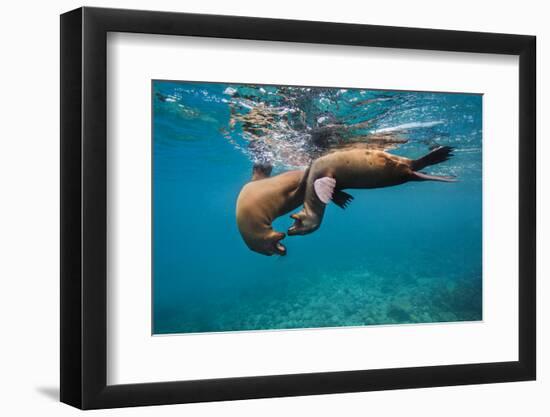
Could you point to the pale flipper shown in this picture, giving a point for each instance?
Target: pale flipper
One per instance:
(325, 189)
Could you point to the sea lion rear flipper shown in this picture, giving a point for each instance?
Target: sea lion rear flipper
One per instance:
(420, 176)
(341, 198)
(436, 156)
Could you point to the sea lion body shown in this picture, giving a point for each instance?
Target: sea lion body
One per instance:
(362, 168)
(263, 200)
(357, 167)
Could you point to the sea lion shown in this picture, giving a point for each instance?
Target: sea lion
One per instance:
(358, 167)
(264, 199)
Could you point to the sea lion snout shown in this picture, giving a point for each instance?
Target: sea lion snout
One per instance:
(269, 245)
(280, 249)
(274, 245)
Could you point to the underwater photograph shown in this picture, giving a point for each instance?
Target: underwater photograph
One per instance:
(280, 207)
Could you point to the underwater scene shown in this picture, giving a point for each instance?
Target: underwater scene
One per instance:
(384, 189)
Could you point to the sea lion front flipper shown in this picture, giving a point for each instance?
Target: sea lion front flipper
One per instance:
(324, 188)
(341, 198)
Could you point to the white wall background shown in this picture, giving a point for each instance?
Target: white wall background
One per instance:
(29, 237)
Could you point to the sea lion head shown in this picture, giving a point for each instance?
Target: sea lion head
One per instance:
(261, 170)
(303, 224)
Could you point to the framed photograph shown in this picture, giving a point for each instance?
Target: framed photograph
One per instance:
(259, 208)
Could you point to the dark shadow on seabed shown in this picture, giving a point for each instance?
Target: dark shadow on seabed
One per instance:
(50, 392)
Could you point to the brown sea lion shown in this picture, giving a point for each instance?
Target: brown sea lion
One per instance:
(264, 199)
(358, 167)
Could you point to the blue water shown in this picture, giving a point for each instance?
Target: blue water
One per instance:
(405, 254)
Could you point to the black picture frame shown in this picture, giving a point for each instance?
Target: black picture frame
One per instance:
(84, 207)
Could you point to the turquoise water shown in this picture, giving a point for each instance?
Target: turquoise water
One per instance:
(405, 254)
